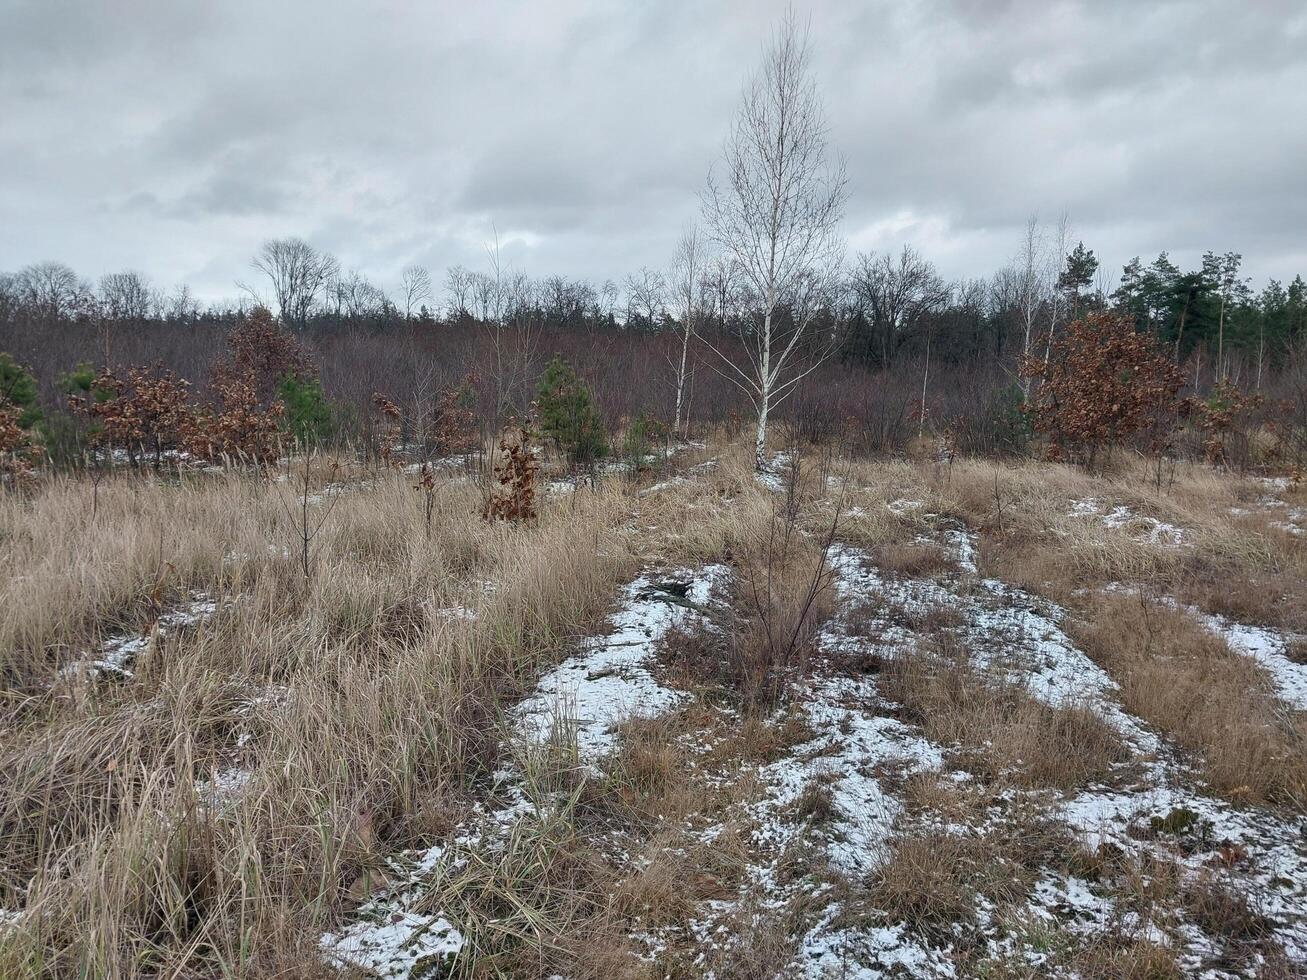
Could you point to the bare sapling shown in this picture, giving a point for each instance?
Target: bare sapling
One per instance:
(685, 277)
(783, 588)
(306, 525)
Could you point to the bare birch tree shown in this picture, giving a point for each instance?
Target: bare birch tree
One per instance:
(1031, 289)
(685, 281)
(774, 208)
(1056, 265)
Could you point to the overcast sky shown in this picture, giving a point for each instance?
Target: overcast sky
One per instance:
(173, 137)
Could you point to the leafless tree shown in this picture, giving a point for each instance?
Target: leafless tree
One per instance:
(720, 288)
(774, 207)
(126, 296)
(1054, 268)
(458, 289)
(606, 299)
(897, 292)
(646, 294)
(415, 287)
(356, 298)
(1031, 288)
(180, 306)
(484, 290)
(685, 280)
(52, 289)
(298, 274)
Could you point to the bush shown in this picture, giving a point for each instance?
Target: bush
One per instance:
(261, 354)
(1104, 383)
(242, 428)
(638, 440)
(568, 415)
(146, 411)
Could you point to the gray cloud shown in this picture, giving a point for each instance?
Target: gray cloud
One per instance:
(176, 137)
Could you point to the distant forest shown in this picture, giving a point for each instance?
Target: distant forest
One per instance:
(889, 327)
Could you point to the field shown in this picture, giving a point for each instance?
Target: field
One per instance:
(847, 718)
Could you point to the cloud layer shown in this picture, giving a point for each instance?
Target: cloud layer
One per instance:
(173, 138)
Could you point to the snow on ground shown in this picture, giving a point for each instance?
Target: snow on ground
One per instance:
(775, 472)
(662, 485)
(1007, 631)
(1268, 647)
(904, 506)
(609, 679)
(396, 934)
(1254, 851)
(1294, 518)
(223, 788)
(855, 739)
(856, 755)
(1148, 530)
(116, 656)
(1264, 644)
(394, 944)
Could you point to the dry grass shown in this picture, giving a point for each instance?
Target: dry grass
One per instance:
(933, 874)
(366, 703)
(367, 708)
(1005, 734)
(1183, 679)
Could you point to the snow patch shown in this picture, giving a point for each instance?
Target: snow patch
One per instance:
(118, 654)
(610, 679)
(1148, 530)
(395, 944)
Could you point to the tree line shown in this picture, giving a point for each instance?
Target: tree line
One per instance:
(758, 296)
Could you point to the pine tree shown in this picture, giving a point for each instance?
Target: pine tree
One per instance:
(568, 415)
(1081, 264)
(18, 391)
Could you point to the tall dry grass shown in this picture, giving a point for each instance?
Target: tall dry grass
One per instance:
(363, 701)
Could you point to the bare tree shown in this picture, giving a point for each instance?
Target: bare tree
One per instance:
(415, 287)
(720, 287)
(1030, 284)
(685, 281)
(356, 298)
(180, 306)
(1056, 266)
(898, 293)
(126, 296)
(646, 293)
(298, 273)
(52, 289)
(774, 209)
(606, 299)
(458, 288)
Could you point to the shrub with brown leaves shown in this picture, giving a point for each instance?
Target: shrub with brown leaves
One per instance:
(392, 436)
(513, 499)
(260, 354)
(15, 456)
(241, 428)
(1104, 384)
(453, 419)
(143, 413)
